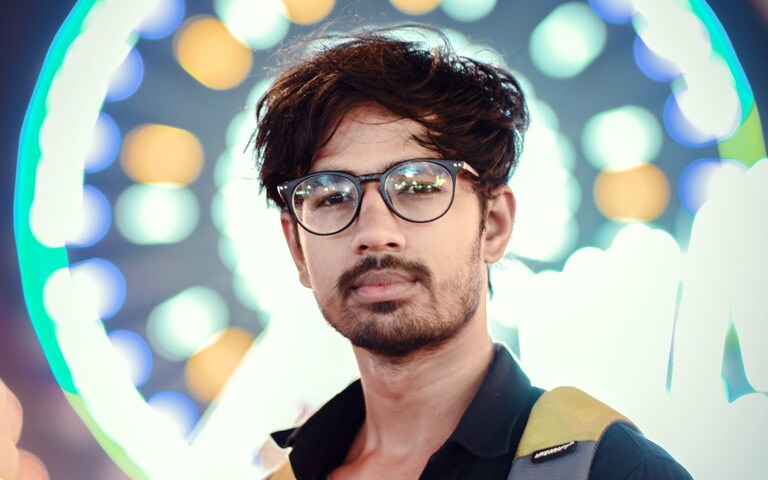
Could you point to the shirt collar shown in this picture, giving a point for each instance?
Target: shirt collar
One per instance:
(322, 442)
(485, 429)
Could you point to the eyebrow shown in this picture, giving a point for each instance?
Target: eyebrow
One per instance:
(383, 168)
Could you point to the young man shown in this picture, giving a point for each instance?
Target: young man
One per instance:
(390, 160)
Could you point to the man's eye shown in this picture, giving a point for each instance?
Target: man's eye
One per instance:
(411, 187)
(334, 199)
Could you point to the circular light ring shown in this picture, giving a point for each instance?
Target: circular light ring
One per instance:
(163, 454)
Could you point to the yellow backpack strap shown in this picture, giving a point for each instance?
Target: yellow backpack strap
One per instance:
(284, 472)
(561, 437)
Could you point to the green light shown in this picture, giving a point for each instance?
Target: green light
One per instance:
(567, 40)
(156, 214)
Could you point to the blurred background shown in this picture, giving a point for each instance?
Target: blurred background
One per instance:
(162, 246)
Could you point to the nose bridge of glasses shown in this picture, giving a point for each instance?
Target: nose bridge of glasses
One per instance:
(373, 177)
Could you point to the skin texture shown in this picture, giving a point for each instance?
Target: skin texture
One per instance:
(15, 463)
(411, 299)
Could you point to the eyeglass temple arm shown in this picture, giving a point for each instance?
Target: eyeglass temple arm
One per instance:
(469, 168)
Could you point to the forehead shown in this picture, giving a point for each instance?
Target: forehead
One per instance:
(369, 139)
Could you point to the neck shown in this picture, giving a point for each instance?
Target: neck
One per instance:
(414, 404)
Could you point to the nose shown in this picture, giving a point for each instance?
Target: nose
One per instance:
(377, 228)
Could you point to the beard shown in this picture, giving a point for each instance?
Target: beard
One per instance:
(400, 328)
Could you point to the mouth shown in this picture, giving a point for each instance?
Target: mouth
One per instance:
(377, 286)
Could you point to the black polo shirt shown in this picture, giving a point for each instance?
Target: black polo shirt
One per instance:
(484, 442)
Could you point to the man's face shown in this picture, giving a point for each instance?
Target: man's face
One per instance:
(391, 286)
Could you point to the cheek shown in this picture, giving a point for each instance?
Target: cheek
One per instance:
(324, 266)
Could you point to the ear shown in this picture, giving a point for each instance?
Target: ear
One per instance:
(499, 218)
(290, 231)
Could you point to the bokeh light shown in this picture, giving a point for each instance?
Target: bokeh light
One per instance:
(95, 219)
(680, 129)
(163, 21)
(208, 51)
(102, 283)
(704, 176)
(208, 370)
(548, 194)
(567, 40)
(186, 322)
(307, 12)
(127, 78)
(674, 33)
(621, 138)
(467, 10)
(64, 303)
(614, 11)
(156, 214)
(652, 65)
(547, 228)
(135, 353)
(636, 194)
(709, 101)
(262, 25)
(162, 154)
(105, 144)
(415, 7)
(176, 409)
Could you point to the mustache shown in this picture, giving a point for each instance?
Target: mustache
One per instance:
(421, 272)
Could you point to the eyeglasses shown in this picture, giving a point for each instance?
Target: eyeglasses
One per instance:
(419, 190)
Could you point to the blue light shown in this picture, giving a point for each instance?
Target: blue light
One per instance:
(106, 144)
(700, 177)
(614, 11)
(127, 78)
(97, 218)
(136, 352)
(653, 66)
(104, 282)
(179, 409)
(163, 21)
(693, 183)
(680, 130)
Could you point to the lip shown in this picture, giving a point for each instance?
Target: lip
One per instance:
(382, 286)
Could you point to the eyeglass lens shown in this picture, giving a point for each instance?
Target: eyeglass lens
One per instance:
(417, 191)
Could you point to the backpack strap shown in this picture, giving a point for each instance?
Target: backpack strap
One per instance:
(561, 437)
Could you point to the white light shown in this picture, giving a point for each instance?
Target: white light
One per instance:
(568, 40)
(101, 283)
(547, 194)
(65, 303)
(621, 138)
(156, 214)
(186, 322)
(93, 221)
(710, 102)
(467, 10)
(674, 34)
(262, 25)
(240, 130)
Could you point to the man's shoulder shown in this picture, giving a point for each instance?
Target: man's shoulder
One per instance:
(625, 453)
(566, 416)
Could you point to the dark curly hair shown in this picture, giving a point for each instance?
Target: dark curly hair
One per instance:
(470, 110)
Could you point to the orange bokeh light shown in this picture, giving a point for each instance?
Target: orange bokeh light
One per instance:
(635, 194)
(153, 153)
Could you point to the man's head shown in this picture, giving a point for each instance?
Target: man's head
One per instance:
(393, 276)
(470, 111)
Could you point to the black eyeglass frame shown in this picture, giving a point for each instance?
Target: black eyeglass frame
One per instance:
(286, 189)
